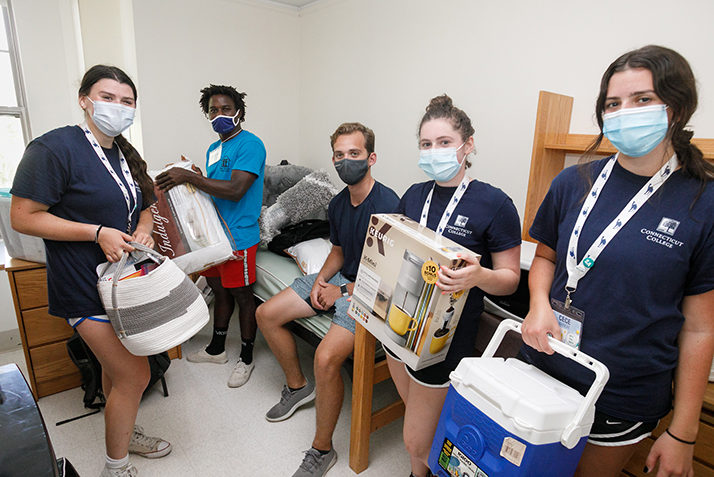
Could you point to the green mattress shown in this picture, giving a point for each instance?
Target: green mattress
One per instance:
(275, 273)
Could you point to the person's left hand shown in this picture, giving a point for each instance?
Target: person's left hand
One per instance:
(327, 294)
(465, 278)
(675, 458)
(173, 177)
(143, 238)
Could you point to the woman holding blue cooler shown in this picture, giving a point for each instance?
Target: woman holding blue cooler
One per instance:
(475, 215)
(624, 268)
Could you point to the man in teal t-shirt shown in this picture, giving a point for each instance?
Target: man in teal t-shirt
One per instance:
(234, 177)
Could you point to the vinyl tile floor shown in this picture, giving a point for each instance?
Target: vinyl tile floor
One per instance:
(219, 431)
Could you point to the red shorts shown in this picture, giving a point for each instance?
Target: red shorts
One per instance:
(236, 273)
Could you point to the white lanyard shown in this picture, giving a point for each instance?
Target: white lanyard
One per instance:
(453, 202)
(578, 271)
(124, 169)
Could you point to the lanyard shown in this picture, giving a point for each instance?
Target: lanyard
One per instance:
(578, 271)
(453, 202)
(124, 169)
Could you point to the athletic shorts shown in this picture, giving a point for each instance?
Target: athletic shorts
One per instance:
(236, 273)
(434, 376)
(303, 285)
(612, 431)
(73, 322)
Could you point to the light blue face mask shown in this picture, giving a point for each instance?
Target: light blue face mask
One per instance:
(635, 132)
(441, 165)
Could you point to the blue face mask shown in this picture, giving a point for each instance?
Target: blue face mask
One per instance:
(224, 124)
(441, 165)
(635, 132)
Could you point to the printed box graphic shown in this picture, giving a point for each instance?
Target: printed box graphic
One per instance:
(395, 295)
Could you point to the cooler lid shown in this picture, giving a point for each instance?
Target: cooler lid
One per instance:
(517, 391)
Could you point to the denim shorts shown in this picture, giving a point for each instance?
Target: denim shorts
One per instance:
(303, 285)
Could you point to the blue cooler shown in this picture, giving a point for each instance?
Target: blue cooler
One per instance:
(508, 418)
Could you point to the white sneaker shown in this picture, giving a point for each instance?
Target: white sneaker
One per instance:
(127, 471)
(149, 447)
(240, 374)
(203, 357)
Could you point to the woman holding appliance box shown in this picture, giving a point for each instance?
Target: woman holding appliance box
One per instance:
(475, 215)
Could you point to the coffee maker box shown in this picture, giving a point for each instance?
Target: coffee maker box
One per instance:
(395, 294)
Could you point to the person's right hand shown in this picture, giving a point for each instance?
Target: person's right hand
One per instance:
(538, 324)
(173, 177)
(114, 243)
(315, 294)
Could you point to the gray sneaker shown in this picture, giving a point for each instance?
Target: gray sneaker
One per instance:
(290, 401)
(316, 464)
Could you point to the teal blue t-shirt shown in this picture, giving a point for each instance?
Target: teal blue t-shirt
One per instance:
(245, 152)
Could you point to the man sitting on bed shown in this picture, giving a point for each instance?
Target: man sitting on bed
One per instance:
(349, 213)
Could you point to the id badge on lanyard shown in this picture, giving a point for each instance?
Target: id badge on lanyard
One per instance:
(569, 317)
(571, 322)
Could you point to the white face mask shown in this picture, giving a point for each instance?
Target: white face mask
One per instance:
(112, 118)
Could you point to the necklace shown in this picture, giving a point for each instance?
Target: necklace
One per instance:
(232, 135)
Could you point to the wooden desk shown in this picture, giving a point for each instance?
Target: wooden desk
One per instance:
(43, 336)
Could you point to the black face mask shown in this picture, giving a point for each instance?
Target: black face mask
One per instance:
(351, 171)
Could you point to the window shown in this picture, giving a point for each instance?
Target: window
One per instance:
(14, 126)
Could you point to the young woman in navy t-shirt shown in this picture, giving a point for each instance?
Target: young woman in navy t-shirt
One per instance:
(84, 190)
(628, 241)
(475, 215)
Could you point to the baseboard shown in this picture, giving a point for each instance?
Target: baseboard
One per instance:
(10, 341)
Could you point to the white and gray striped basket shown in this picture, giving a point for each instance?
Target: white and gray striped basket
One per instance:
(155, 312)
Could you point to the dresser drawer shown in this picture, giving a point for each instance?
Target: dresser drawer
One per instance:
(54, 370)
(31, 288)
(42, 328)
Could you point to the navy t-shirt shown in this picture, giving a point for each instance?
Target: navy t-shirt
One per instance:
(61, 170)
(632, 296)
(484, 221)
(349, 224)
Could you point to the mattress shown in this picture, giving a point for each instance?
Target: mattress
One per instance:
(274, 273)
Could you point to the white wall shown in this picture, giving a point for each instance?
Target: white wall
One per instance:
(184, 45)
(380, 62)
(373, 61)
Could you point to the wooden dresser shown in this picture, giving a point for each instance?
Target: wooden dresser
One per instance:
(43, 336)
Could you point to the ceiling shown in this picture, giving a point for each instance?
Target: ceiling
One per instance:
(296, 3)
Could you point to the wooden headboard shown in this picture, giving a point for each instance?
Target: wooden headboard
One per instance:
(552, 141)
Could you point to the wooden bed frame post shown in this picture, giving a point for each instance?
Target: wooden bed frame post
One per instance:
(552, 126)
(364, 422)
(362, 379)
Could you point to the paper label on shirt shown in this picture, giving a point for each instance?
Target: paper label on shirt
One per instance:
(215, 155)
(570, 321)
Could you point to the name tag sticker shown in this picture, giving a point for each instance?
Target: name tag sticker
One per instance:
(215, 155)
(570, 321)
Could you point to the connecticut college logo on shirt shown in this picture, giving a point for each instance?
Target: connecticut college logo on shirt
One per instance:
(664, 234)
(458, 227)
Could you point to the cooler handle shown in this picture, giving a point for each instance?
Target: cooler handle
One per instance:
(571, 435)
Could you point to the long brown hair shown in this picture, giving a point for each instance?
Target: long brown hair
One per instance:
(675, 85)
(137, 166)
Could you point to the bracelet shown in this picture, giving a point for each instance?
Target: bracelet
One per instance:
(96, 234)
(691, 443)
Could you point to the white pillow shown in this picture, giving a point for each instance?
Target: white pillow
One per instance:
(310, 255)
